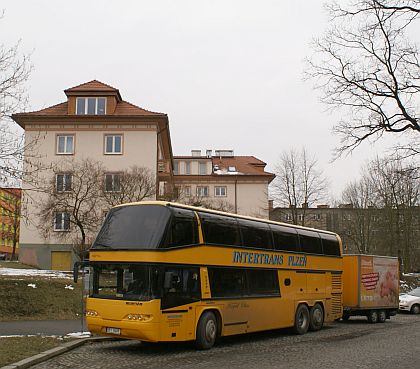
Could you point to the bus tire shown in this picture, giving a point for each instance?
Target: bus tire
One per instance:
(372, 317)
(206, 331)
(316, 315)
(382, 316)
(301, 319)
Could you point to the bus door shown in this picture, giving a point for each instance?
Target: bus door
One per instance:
(181, 288)
(289, 284)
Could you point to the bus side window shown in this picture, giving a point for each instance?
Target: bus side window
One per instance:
(181, 286)
(255, 234)
(285, 239)
(220, 230)
(310, 242)
(182, 230)
(330, 244)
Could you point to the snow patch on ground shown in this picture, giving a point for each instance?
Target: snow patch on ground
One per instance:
(69, 287)
(33, 285)
(78, 335)
(34, 273)
(69, 335)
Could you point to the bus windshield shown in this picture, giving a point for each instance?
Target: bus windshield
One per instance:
(133, 227)
(125, 281)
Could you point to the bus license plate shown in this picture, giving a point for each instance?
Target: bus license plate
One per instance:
(113, 330)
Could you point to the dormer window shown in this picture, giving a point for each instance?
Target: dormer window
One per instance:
(91, 105)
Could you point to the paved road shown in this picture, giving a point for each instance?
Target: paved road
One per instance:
(355, 344)
(44, 327)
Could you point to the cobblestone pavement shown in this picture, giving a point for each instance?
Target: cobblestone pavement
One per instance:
(352, 344)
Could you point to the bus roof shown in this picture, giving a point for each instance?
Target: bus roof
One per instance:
(196, 208)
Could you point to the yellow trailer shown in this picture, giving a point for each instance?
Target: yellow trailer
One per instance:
(370, 286)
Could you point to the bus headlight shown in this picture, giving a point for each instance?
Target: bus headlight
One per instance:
(139, 317)
(91, 313)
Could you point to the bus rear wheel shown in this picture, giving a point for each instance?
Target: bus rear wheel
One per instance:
(316, 317)
(206, 331)
(301, 320)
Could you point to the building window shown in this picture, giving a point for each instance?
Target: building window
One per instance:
(220, 191)
(176, 168)
(63, 182)
(300, 217)
(202, 191)
(316, 216)
(91, 105)
(187, 191)
(113, 144)
(202, 168)
(288, 217)
(65, 144)
(187, 167)
(62, 221)
(112, 182)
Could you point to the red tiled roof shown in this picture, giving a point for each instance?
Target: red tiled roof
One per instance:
(249, 165)
(59, 109)
(123, 108)
(93, 85)
(126, 108)
(244, 165)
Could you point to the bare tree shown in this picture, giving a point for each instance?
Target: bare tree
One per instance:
(134, 184)
(386, 208)
(74, 198)
(397, 191)
(298, 183)
(360, 226)
(15, 69)
(366, 65)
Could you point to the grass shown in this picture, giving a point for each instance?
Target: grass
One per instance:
(48, 301)
(13, 349)
(14, 264)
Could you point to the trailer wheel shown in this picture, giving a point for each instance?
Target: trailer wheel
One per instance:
(316, 317)
(415, 309)
(301, 319)
(206, 331)
(372, 316)
(382, 316)
(346, 316)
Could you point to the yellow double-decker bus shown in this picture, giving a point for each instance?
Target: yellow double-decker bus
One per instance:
(162, 271)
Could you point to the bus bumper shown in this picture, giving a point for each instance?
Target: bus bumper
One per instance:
(143, 331)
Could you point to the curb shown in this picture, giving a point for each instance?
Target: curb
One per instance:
(43, 356)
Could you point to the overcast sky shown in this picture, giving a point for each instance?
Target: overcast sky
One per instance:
(228, 73)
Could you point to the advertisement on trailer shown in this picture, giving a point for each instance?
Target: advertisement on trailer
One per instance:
(379, 282)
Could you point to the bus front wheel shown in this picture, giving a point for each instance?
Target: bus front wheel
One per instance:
(301, 319)
(316, 317)
(206, 331)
